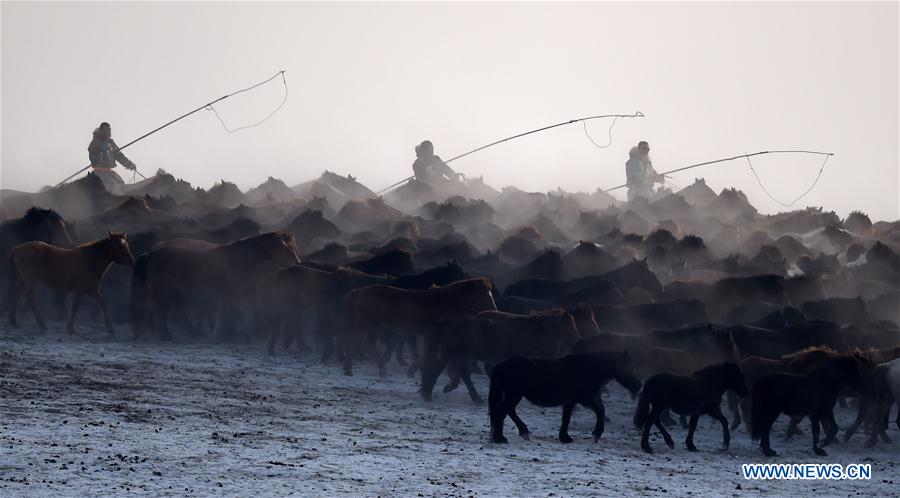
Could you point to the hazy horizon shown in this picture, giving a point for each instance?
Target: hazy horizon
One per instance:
(367, 82)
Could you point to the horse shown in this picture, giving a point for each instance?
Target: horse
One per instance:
(207, 272)
(492, 336)
(870, 394)
(79, 270)
(800, 362)
(322, 289)
(44, 225)
(638, 274)
(698, 394)
(567, 381)
(885, 391)
(813, 394)
(412, 312)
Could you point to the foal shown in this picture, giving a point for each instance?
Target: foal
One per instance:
(699, 394)
(567, 381)
(813, 394)
(79, 270)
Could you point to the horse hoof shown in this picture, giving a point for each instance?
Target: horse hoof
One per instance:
(735, 424)
(870, 443)
(829, 440)
(770, 453)
(820, 452)
(499, 440)
(692, 448)
(670, 444)
(565, 438)
(597, 437)
(647, 448)
(525, 435)
(886, 439)
(478, 401)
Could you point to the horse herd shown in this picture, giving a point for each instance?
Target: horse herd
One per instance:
(804, 323)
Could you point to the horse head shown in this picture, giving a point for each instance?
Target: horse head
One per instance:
(117, 249)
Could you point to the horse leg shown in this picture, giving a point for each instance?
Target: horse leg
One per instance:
(162, 319)
(564, 427)
(745, 410)
(596, 404)
(734, 407)
(95, 295)
(831, 429)
(454, 379)
(645, 435)
(382, 359)
(29, 298)
(793, 428)
(861, 410)
(814, 427)
(416, 362)
(401, 360)
(726, 434)
(416, 359)
(498, 414)
(764, 443)
(689, 442)
(665, 434)
(466, 375)
(73, 308)
(510, 404)
(432, 366)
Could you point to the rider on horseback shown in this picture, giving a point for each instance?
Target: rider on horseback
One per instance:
(104, 153)
(430, 168)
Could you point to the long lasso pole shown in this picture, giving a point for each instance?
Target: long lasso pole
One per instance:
(742, 156)
(637, 114)
(179, 118)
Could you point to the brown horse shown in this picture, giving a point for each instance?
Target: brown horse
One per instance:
(493, 336)
(377, 309)
(220, 274)
(79, 270)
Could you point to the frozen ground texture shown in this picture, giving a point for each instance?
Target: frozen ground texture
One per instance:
(90, 415)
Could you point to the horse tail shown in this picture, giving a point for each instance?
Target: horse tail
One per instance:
(643, 409)
(138, 301)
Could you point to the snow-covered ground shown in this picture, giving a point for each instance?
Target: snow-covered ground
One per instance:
(91, 415)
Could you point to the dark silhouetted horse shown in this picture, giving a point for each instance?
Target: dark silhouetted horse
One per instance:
(813, 394)
(567, 381)
(699, 394)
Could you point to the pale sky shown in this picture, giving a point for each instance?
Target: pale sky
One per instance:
(369, 81)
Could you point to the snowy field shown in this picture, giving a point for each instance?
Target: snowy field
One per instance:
(90, 415)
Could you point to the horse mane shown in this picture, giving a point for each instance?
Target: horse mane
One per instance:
(36, 214)
(798, 355)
